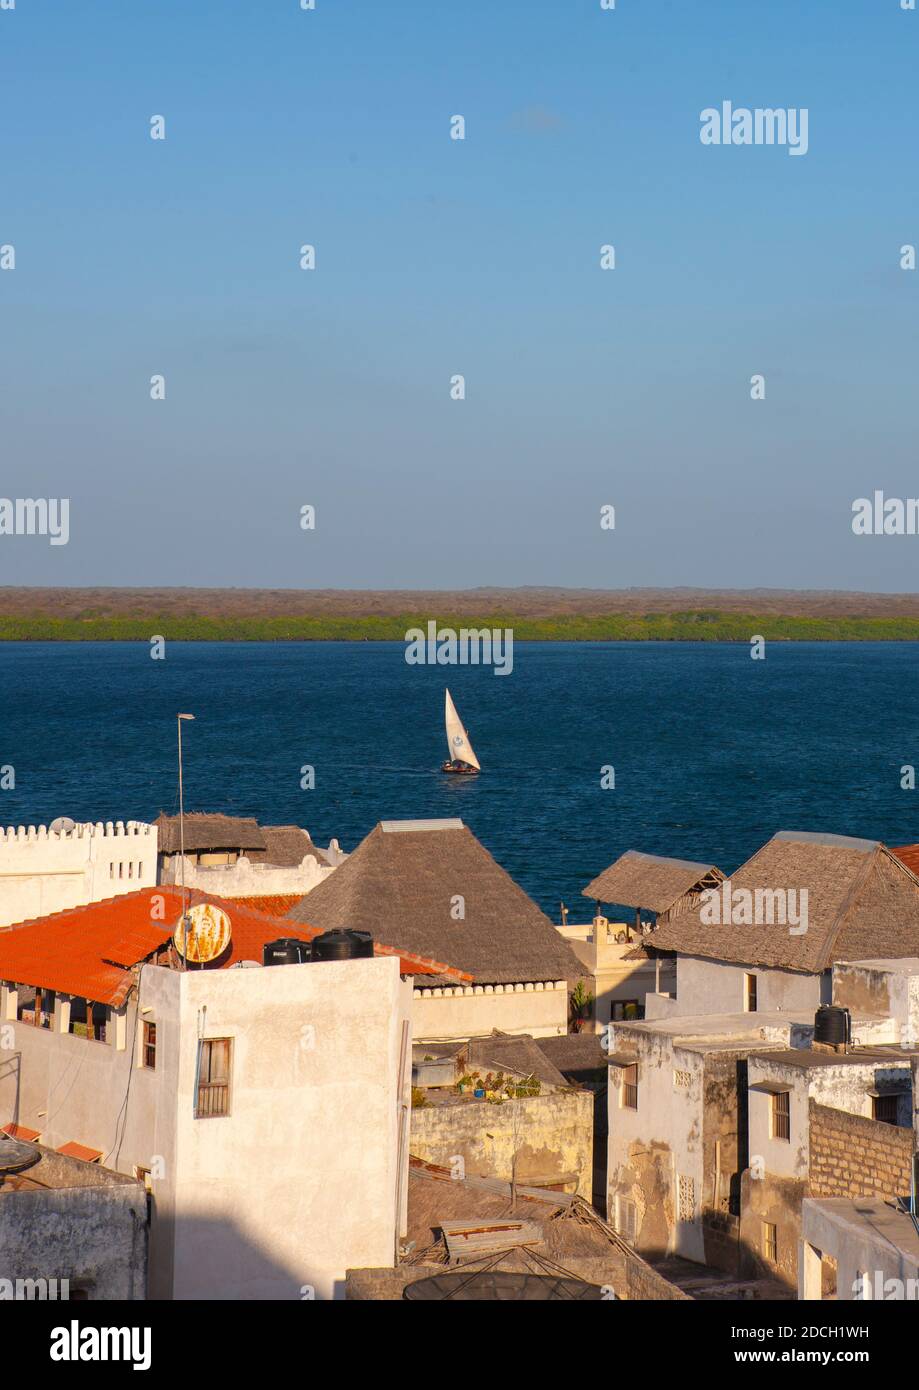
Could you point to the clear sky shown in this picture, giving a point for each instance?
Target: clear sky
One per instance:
(438, 257)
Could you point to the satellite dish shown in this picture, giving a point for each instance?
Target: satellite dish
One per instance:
(208, 932)
(62, 825)
(247, 965)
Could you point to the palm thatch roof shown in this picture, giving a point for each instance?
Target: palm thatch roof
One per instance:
(862, 903)
(285, 846)
(206, 831)
(430, 887)
(651, 881)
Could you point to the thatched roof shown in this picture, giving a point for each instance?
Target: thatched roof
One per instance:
(863, 903)
(285, 845)
(578, 1056)
(402, 884)
(649, 881)
(518, 1053)
(204, 831)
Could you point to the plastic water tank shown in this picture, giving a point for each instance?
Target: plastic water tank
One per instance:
(832, 1025)
(287, 950)
(342, 945)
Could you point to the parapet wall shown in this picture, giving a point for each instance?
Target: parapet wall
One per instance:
(44, 871)
(463, 1012)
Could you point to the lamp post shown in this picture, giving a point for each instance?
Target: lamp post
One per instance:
(179, 719)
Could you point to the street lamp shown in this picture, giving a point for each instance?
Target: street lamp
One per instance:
(179, 719)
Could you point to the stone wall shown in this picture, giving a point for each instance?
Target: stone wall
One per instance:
(551, 1136)
(89, 1226)
(854, 1157)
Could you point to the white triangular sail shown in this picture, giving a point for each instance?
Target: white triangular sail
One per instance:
(457, 738)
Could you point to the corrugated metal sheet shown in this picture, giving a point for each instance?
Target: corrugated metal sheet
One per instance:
(468, 1240)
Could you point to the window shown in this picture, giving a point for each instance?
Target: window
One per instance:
(621, 1009)
(148, 1050)
(625, 1219)
(213, 1077)
(750, 994)
(628, 1097)
(885, 1108)
(686, 1198)
(781, 1115)
(770, 1242)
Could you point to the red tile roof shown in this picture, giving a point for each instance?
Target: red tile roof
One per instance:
(89, 951)
(75, 1150)
(908, 855)
(275, 904)
(21, 1132)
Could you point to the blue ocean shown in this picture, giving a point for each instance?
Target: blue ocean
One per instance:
(710, 751)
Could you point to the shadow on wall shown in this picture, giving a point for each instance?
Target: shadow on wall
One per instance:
(218, 1260)
(10, 1083)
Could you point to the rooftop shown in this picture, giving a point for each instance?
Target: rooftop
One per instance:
(649, 881)
(807, 1059)
(862, 902)
(868, 1218)
(283, 846)
(432, 888)
(91, 951)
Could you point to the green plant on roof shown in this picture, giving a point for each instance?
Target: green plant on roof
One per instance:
(581, 1001)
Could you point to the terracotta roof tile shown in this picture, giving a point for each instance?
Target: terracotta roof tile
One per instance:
(90, 951)
(75, 1150)
(21, 1132)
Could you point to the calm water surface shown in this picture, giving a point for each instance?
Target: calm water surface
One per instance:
(712, 751)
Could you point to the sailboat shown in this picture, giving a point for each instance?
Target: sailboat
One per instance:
(462, 760)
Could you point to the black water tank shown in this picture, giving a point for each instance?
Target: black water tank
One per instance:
(832, 1025)
(288, 950)
(342, 945)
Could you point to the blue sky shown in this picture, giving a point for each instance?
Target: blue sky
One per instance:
(437, 257)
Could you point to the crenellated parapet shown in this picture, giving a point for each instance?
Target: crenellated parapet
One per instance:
(109, 830)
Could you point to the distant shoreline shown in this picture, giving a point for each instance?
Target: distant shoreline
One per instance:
(534, 613)
(690, 626)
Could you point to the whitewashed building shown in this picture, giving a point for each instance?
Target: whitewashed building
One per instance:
(266, 1109)
(51, 868)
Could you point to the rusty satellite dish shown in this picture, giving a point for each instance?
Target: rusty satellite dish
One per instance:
(204, 934)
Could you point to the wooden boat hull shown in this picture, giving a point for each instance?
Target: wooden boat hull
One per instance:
(460, 770)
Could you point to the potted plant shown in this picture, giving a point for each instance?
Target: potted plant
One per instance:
(581, 1004)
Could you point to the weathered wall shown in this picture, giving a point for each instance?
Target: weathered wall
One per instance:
(551, 1136)
(625, 1273)
(91, 1229)
(778, 1201)
(456, 1014)
(888, 988)
(42, 873)
(851, 1156)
